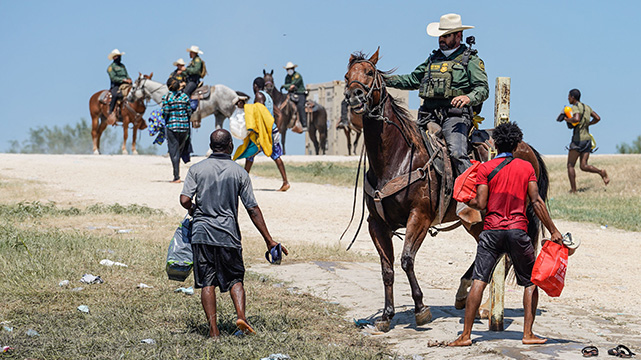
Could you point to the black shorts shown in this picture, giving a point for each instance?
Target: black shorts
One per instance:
(581, 146)
(217, 266)
(516, 243)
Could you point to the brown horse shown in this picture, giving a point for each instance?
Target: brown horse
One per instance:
(353, 125)
(317, 123)
(396, 151)
(130, 113)
(284, 109)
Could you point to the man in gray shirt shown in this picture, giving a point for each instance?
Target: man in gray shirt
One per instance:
(215, 184)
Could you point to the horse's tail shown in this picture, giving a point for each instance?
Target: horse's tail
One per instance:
(543, 182)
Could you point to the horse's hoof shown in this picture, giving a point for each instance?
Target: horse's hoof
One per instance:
(135, 152)
(96, 152)
(484, 314)
(382, 325)
(124, 152)
(424, 316)
(460, 304)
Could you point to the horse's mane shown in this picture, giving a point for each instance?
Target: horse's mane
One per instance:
(401, 112)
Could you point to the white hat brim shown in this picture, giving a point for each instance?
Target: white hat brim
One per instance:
(199, 52)
(433, 29)
(111, 55)
(291, 67)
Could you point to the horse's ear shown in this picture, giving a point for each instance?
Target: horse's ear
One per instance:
(139, 74)
(374, 58)
(264, 72)
(351, 58)
(272, 72)
(151, 75)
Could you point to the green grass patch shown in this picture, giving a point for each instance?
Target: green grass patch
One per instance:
(37, 209)
(319, 172)
(35, 257)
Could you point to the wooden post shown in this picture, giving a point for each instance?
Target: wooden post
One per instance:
(497, 289)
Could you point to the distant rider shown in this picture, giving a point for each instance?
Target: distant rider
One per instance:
(178, 74)
(195, 71)
(295, 86)
(117, 75)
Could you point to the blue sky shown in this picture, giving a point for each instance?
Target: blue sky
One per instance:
(55, 54)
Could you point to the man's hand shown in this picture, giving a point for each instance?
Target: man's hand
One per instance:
(128, 81)
(292, 87)
(274, 243)
(557, 237)
(460, 101)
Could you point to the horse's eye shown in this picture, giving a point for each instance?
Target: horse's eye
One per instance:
(370, 73)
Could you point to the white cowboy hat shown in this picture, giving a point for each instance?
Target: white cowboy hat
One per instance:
(194, 49)
(179, 62)
(450, 23)
(290, 65)
(113, 53)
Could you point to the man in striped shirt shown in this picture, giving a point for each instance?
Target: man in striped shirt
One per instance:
(176, 111)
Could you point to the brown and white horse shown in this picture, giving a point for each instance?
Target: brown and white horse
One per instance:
(395, 150)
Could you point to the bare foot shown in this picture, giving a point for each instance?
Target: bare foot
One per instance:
(285, 187)
(604, 176)
(177, 181)
(533, 340)
(244, 327)
(461, 341)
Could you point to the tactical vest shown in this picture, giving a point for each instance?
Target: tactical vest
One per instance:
(437, 82)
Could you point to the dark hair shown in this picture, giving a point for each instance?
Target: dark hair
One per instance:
(507, 137)
(260, 83)
(173, 85)
(219, 140)
(575, 93)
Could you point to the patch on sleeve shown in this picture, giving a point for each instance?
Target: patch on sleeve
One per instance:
(109, 69)
(197, 59)
(296, 76)
(482, 65)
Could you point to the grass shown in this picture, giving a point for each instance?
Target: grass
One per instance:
(42, 244)
(618, 204)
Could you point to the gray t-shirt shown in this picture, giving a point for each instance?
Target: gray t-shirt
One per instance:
(216, 183)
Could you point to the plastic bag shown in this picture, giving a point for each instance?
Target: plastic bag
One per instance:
(237, 125)
(180, 258)
(465, 184)
(550, 267)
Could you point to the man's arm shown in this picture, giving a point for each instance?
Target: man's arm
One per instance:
(257, 218)
(478, 80)
(411, 81)
(541, 212)
(480, 201)
(185, 201)
(259, 98)
(194, 67)
(595, 118)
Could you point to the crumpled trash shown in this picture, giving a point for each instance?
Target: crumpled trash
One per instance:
(108, 262)
(148, 341)
(277, 357)
(7, 350)
(188, 291)
(77, 289)
(124, 231)
(91, 279)
(144, 286)
(63, 283)
(32, 332)
(7, 328)
(84, 309)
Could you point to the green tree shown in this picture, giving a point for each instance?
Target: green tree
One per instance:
(71, 139)
(634, 148)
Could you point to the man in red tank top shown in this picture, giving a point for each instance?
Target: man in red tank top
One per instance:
(504, 186)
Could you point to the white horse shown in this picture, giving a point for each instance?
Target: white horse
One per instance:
(221, 101)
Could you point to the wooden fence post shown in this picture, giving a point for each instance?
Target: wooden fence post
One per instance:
(497, 289)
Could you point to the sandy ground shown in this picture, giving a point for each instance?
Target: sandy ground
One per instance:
(599, 306)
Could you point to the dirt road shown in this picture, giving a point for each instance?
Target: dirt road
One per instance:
(599, 306)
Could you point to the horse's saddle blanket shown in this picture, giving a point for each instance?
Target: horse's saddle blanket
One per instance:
(104, 97)
(202, 92)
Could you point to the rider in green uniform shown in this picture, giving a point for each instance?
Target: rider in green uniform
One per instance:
(195, 70)
(178, 74)
(294, 84)
(452, 83)
(117, 75)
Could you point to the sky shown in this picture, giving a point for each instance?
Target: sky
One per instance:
(55, 54)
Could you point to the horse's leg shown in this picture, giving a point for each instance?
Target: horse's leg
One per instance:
(220, 119)
(382, 238)
(311, 130)
(322, 132)
(348, 133)
(101, 128)
(95, 132)
(125, 135)
(416, 229)
(133, 140)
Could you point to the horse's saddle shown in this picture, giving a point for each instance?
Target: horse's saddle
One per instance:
(104, 97)
(311, 106)
(202, 92)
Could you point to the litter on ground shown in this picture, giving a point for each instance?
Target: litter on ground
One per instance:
(63, 283)
(188, 291)
(91, 279)
(7, 328)
(32, 332)
(107, 262)
(144, 286)
(148, 341)
(77, 289)
(277, 357)
(84, 309)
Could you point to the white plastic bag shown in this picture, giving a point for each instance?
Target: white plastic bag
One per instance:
(237, 125)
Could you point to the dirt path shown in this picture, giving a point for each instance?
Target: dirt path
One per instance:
(599, 306)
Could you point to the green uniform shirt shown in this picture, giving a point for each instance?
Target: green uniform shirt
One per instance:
(582, 131)
(117, 73)
(471, 81)
(179, 77)
(297, 80)
(195, 67)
